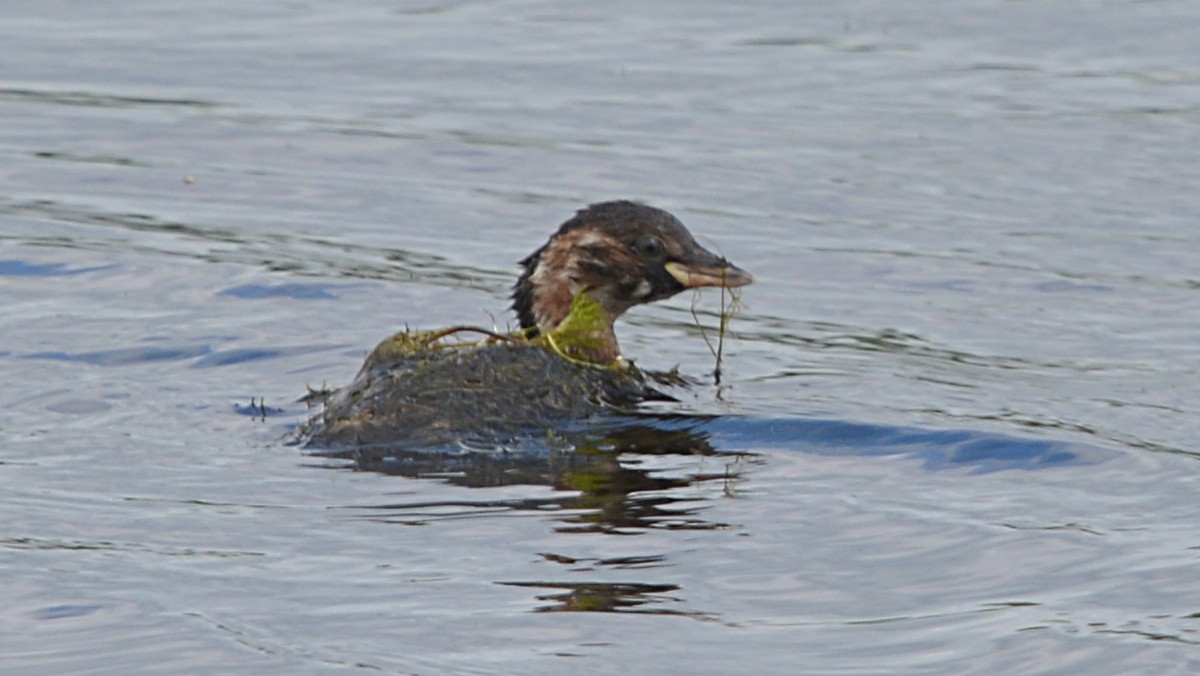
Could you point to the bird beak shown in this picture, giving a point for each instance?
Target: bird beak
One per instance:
(717, 272)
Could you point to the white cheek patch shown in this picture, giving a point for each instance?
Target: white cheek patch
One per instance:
(643, 289)
(539, 271)
(591, 239)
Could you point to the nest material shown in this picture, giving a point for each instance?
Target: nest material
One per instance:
(418, 390)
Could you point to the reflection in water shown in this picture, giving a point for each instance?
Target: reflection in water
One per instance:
(613, 597)
(20, 268)
(634, 474)
(607, 597)
(936, 449)
(614, 488)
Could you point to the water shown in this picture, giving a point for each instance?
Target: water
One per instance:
(957, 433)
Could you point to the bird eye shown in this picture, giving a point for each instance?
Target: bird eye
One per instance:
(649, 247)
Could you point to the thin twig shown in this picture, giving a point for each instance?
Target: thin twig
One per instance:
(438, 335)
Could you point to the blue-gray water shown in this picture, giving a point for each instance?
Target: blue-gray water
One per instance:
(959, 433)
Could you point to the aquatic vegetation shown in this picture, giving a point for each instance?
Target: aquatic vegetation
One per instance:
(726, 315)
(583, 334)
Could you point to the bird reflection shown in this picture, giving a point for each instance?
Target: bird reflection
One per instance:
(603, 597)
(613, 478)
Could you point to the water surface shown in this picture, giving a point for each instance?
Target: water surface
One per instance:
(956, 429)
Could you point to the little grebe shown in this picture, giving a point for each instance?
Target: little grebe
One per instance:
(621, 254)
(608, 258)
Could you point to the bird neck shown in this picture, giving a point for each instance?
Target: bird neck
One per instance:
(585, 333)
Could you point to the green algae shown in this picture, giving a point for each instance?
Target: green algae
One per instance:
(408, 343)
(586, 331)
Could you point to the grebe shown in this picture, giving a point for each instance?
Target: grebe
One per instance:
(564, 365)
(621, 254)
